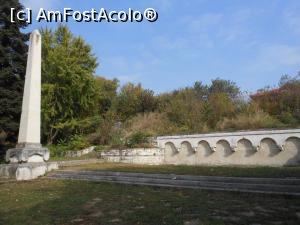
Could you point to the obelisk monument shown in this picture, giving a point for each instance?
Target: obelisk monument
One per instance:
(29, 148)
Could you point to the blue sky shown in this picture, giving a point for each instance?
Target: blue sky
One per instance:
(250, 42)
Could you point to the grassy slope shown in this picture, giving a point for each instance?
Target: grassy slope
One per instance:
(46, 201)
(197, 170)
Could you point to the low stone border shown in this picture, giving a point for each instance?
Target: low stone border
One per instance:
(78, 162)
(80, 152)
(146, 156)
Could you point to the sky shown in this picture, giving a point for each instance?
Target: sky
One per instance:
(252, 43)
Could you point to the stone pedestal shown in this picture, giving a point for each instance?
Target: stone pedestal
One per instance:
(27, 152)
(26, 171)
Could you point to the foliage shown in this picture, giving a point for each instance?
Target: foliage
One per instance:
(108, 132)
(107, 91)
(79, 109)
(152, 123)
(133, 99)
(69, 93)
(13, 54)
(282, 102)
(224, 86)
(75, 143)
(201, 107)
(220, 106)
(137, 139)
(245, 121)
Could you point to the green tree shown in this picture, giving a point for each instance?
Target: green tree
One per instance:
(224, 86)
(185, 109)
(69, 92)
(221, 106)
(107, 91)
(13, 54)
(133, 99)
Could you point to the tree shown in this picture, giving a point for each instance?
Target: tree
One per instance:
(224, 86)
(69, 93)
(283, 102)
(221, 106)
(186, 109)
(133, 99)
(13, 54)
(107, 91)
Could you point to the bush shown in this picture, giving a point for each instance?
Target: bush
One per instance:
(138, 139)
(76, 143)
(288, 118)
(151, 123)
(249, 121)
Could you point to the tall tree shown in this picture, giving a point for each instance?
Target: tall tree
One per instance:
(134, 99)
(282, 102)
(13, 52)
(69, 95)
(224, 86)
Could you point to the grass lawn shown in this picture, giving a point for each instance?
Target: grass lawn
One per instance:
(45, 201)
(197, 170)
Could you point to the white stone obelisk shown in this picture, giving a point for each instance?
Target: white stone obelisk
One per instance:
(30, 123)
(29, 148)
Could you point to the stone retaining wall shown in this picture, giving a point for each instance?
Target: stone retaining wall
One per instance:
(150, 156)
(80, 152)
(265, 148)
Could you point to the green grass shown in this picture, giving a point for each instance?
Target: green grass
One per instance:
(46, 201)
(197, 170)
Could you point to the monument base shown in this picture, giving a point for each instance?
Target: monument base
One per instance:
(26, 171)
(27, 152)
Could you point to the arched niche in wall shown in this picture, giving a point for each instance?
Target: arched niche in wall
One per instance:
(292, 147)
(245, 147)
(170, 150)
(204, 148)
(223, 147)
(186, 148)
(269, 147)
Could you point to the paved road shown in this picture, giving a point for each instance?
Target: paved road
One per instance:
(285, 186)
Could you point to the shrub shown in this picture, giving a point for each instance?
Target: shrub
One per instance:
(76, 142)
(117, 140)
(288, 118)
(138, 139)
(151, 123)
(249, 121)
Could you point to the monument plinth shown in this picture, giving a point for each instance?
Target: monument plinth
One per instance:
(29, 148)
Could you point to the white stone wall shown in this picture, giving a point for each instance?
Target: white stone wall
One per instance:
(80, 152)
(265, 148)
(268, 148)
(148, 156)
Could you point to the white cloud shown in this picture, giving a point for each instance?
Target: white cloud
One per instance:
(276, 56)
